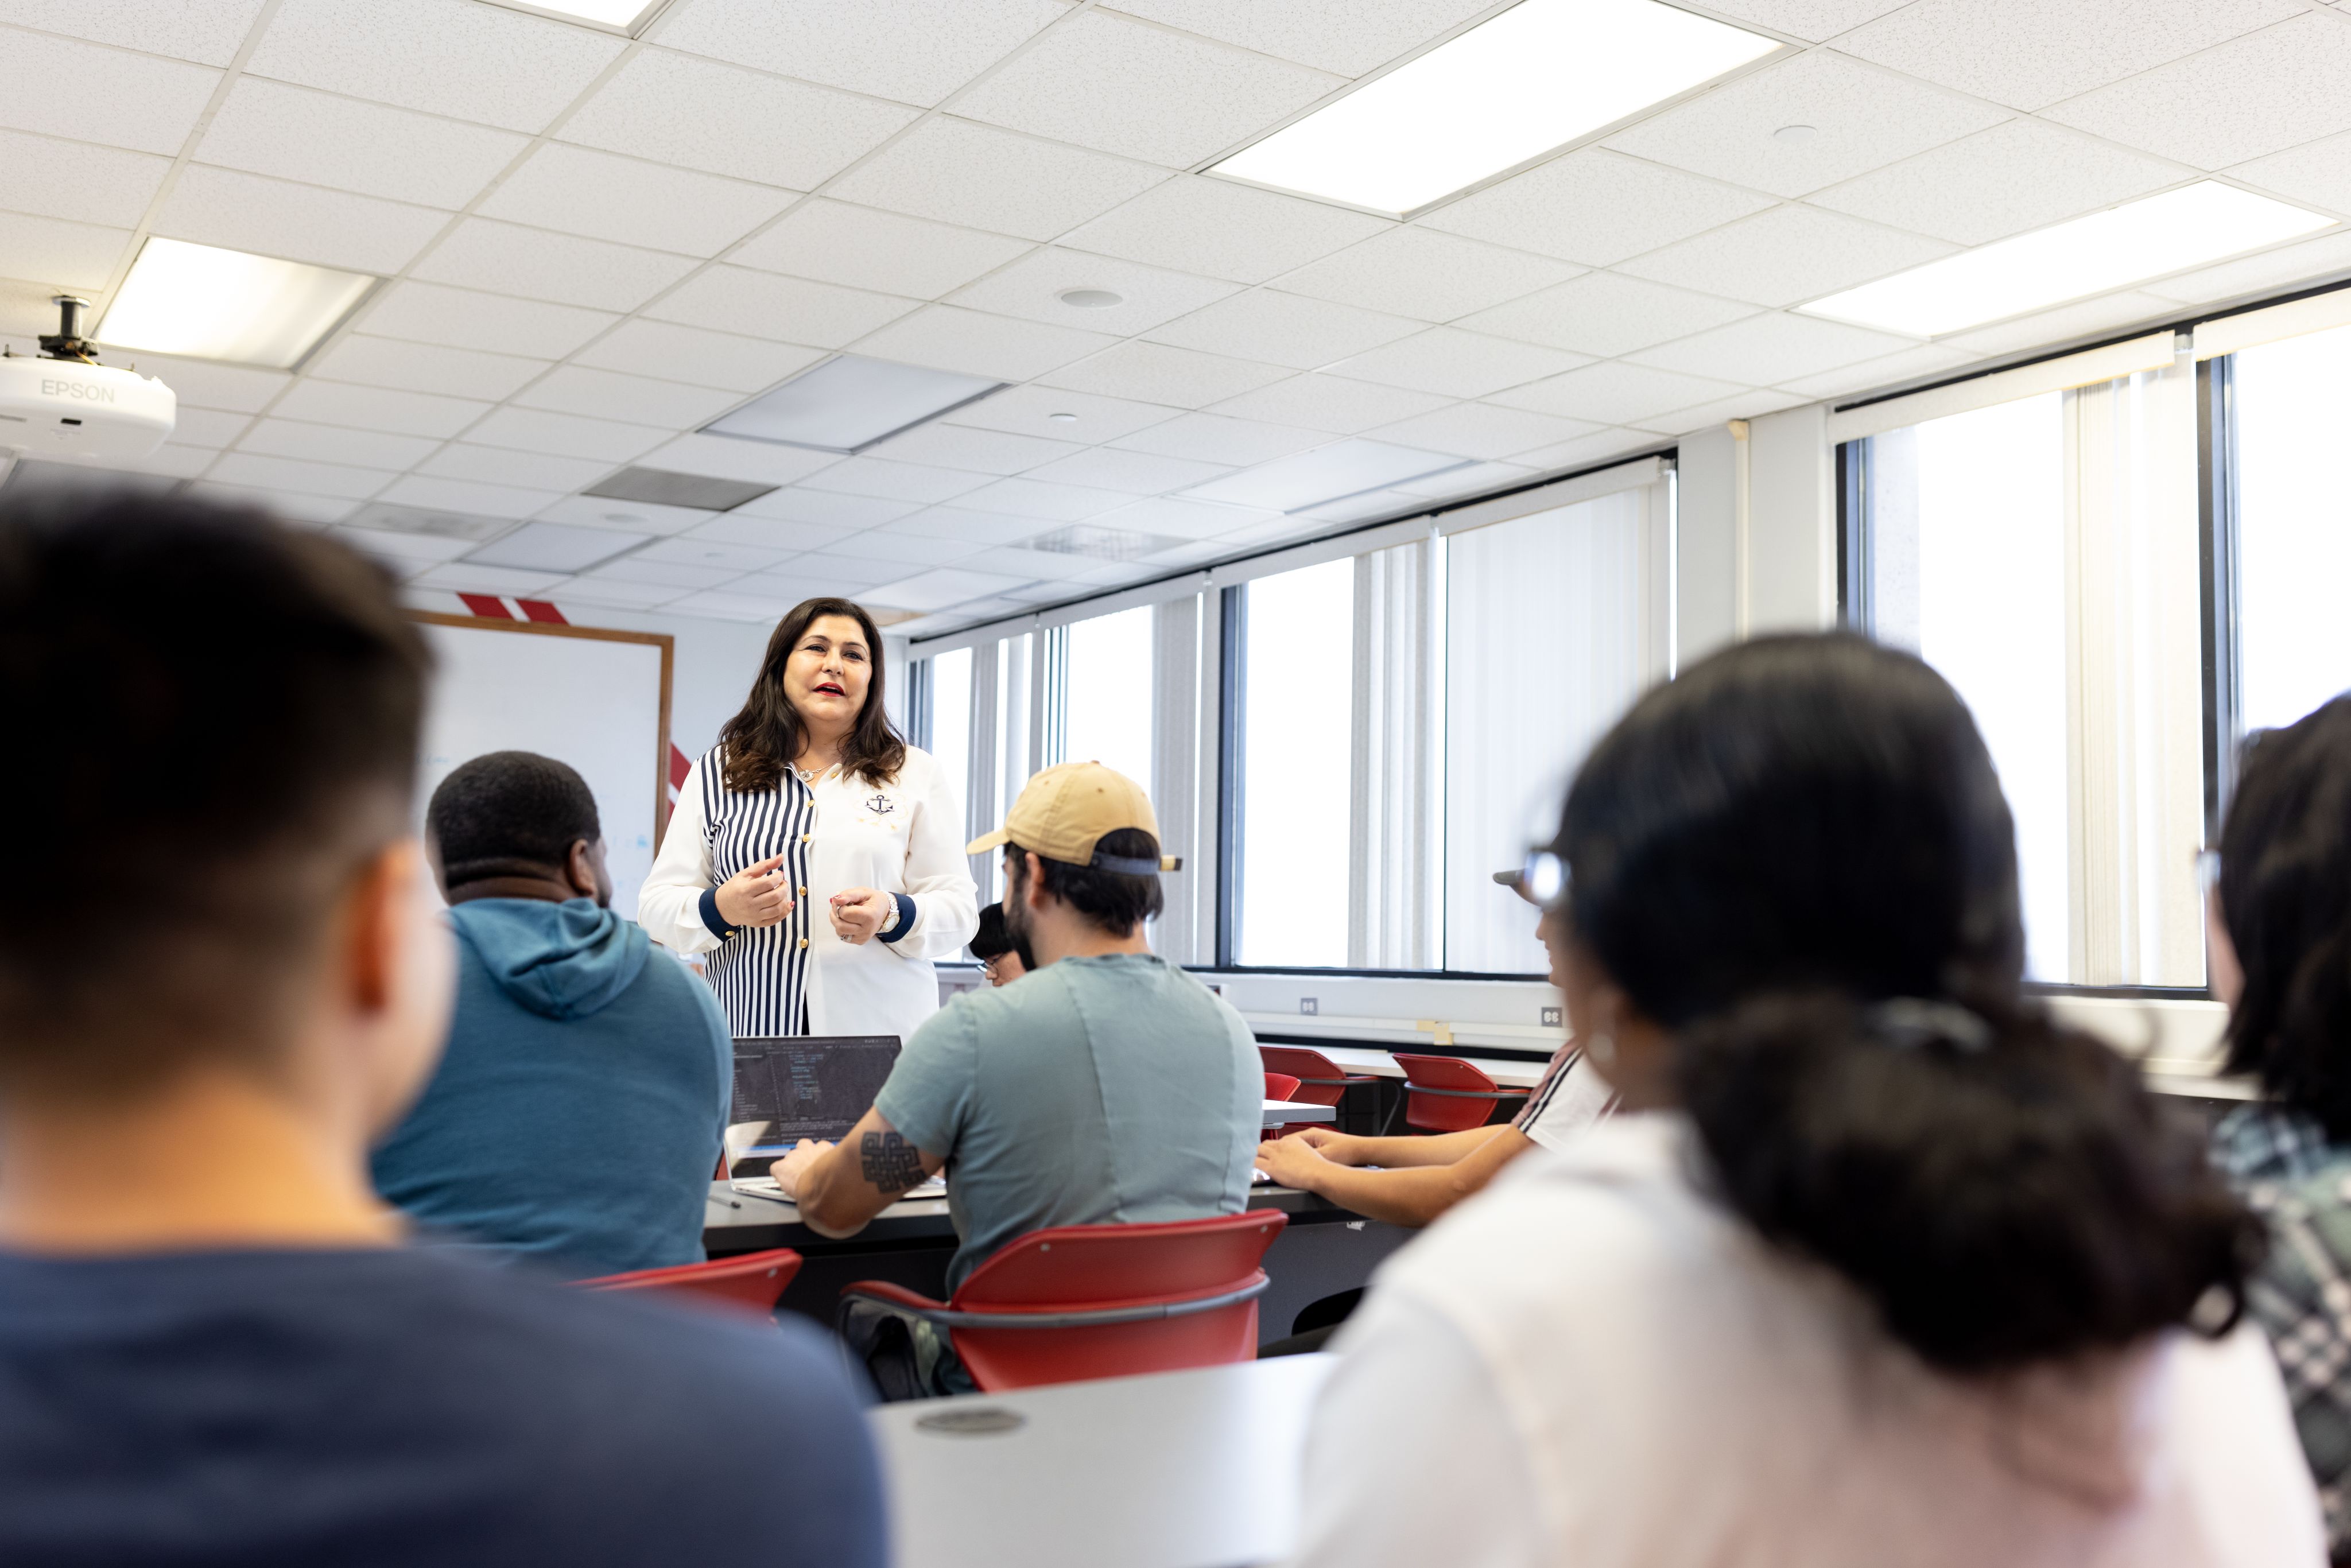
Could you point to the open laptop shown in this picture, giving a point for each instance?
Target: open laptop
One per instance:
(789, 1087)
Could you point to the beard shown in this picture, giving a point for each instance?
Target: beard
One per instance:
(1016, 908)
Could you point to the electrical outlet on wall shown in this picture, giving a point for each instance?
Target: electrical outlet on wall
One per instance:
(1309, 1006)
(1552, 1018)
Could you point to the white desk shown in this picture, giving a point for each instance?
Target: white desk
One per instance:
(1181, 1469)
(1380, 1064)
(1281, 1112)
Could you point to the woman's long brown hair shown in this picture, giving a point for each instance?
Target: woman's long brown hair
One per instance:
(760, 742)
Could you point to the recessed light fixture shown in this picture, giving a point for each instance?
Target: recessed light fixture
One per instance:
(1090, 298)
(212, 304)
(1533, 78)
(1062, 418)
(849, 402)
(622, 16)
(2082, 256)
(1796, 134)
(1327, 474)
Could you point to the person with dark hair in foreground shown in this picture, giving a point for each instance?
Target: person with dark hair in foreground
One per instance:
(1107, 1087)
(1003, 956)
(2279, 925)
(1878, 1265)
(215, 1347)
(578, 1112)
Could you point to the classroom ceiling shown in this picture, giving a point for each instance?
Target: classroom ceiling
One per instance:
(593, 245)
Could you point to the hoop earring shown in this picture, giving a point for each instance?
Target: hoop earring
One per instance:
(1602, 1050)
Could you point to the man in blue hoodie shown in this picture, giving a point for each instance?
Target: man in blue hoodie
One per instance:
(576, 1117)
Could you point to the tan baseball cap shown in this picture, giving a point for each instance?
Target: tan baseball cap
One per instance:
(1064, 811)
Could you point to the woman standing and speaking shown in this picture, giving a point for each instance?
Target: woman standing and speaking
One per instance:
(814, 854)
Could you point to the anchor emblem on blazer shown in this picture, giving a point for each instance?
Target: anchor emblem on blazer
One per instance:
(881, 805)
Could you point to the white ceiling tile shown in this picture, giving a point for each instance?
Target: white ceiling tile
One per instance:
(207, 426)
(1591, 450)
(949, 338)
(959, 172)
(719, 604)
(977, 529)
(678, 109)
(2317, 173)
(54, 178)
(1224, 229)
(1335, 404)
(639, 568)
(612, 593)
(810, 576)
(1133, 473)
(467, 495)
(60, 254)
(269, 127)
(790, 310)
(690, 354)
(175, 460)
(335, 444)
(1873, 375)
(1219, 438)
(239, 388)
(976, 451)
(1346, 36)
(1772, 348)
(1102, 80)
(2269, 270)
(1011, 560)
(425, 367)
(59, 87)
(865, 247)
(1285, 330)
(628, 517)
(1034, 499)
(1456, 363)
(938, 589)
(446, 57)
(460, 577)
(1787, 254)
(580, 191)
(286, 504)
(1595, 207)
(525, 470)
(636, 400)
(290, 474)
(916, 51)
(1812, 20)
(1029, 411)
(2259, 94)
(555, 547)
(1197, 553)
(1425, 274)
(2084, 318)
(467, 319)
(1706, 416)
(379, 408)
(1458, 482)
(1154, 372)
(1033, 287)
(910, 551)
(1183, 519)
(1608, 314)
(784, 535)
(1614, 393)
(753, 461)
(2032, 53)
(886, 480)
(1482, 430)
(2020, 175)
(208, 32)
(565, 435)
(401, 552)
(697, 551)
(1861, 119)
(505, 258)
(302, 222)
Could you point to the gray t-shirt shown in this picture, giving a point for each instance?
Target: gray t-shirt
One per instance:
(1112, 1089)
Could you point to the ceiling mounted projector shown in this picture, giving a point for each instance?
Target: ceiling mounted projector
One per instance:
(64, 406)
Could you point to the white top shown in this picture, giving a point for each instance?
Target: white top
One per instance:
(1591, 1363)
(902, 837)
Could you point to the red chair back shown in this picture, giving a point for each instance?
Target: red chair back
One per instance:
(1446, 1095)
(1282, 1086)
(1321, 1080)
(1108, 1268)
(753, 1282)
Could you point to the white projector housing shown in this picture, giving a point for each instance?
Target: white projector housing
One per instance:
(65, 411)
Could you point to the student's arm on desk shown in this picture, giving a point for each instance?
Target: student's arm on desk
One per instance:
(1420, 1178)
(839, 1187)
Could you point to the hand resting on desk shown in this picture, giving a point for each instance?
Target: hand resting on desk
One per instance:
(839, 1187)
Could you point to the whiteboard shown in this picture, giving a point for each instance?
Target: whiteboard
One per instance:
(596, 699)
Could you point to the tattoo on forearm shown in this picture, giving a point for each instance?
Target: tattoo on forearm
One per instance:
(891, 1163)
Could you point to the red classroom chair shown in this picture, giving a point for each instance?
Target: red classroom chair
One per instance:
(1321, 1080)
(1282, 1086)
(1446, 1095)
(1079, 1301)
(753, 1282)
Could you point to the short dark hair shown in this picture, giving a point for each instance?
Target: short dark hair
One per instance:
(509, 813)
(994, 938)
(2285, 897)
(226, 713)
(1109, 901)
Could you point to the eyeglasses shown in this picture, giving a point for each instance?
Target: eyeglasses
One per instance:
(1541, 881)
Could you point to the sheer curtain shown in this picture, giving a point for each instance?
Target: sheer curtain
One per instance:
(1396, 849)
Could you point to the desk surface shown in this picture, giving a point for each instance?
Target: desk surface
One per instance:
(1181, 1469)
(1381, 1064)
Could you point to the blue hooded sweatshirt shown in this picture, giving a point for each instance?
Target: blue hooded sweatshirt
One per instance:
(576, 1117)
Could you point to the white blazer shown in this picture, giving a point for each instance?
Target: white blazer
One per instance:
(902, 837)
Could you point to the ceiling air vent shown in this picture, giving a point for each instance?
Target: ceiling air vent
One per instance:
(661, 487)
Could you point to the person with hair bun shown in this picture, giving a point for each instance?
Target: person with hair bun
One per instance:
(1878, 1265)
(2280, 924)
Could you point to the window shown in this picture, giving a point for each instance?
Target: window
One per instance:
(1297, 675)
(1108, 694)
(949, 740)
(2293, 527)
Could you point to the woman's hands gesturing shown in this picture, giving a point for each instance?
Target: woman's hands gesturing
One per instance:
(755, 895)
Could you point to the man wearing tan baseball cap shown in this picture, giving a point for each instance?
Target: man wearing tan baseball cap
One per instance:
(1106, 1086)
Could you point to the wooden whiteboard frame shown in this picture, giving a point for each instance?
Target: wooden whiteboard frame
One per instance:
(662, 639)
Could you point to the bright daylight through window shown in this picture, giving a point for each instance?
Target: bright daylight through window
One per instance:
(2294, 527)
(1298, 676)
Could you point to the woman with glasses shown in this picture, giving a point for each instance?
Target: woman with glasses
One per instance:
(1877, 1264)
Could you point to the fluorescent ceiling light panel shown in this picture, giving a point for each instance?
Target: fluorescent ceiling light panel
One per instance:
(206, 303)
(1327, 474)
(611, 16)
(1535, 77)
(849, 402)
(2082, 256)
